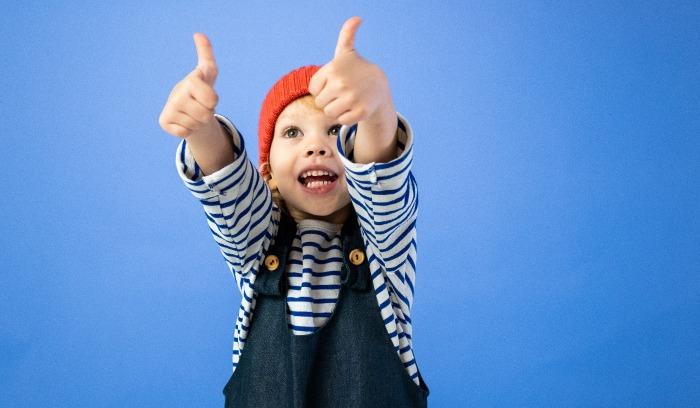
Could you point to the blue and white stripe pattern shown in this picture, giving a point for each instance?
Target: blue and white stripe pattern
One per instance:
(243, 221)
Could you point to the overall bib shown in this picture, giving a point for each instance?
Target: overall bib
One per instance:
(350, 362)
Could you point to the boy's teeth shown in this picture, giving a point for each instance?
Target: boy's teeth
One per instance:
(316, 173)
(316, 184)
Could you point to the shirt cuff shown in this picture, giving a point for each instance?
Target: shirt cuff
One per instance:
(386, 174)
(219, 182)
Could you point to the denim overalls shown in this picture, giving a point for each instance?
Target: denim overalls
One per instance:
(350, 362)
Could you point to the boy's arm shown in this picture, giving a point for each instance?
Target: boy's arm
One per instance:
(385, 198)
(352, 90)
(237, 205)
(377, 154)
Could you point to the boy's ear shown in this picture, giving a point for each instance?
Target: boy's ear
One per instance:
(264, 168)
(271, 182)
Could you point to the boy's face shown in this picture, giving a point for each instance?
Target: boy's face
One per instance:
(305, 164)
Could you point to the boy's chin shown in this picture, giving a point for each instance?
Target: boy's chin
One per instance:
(331, 214)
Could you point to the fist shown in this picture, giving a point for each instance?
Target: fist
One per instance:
(350, 89)
(191, 103)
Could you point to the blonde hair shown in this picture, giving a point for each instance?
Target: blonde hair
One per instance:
(309, 101)
(272, 185)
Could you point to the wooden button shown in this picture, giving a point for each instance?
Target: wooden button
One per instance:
(272, 262)
(357, 257)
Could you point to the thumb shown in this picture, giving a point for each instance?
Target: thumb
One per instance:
(346, 38)
(206, 63)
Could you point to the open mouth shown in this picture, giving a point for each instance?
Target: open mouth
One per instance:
(317, 179)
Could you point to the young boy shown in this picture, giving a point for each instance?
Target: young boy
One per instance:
(321, 241)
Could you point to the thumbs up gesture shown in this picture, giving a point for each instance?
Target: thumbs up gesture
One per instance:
(190, 107)
(349, 88)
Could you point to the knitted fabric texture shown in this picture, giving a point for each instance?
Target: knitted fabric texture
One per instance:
(290, 87)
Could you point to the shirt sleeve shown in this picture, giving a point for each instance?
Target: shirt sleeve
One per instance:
(385, 198)
(237, 204)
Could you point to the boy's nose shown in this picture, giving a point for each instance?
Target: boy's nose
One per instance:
(316, 150)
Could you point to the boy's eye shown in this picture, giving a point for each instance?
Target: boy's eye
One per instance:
(335, 130)
(291, 133)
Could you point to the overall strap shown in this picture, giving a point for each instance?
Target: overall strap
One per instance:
(270, 279)
(356, 272)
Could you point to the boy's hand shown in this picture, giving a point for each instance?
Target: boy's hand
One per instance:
(189, 112)
(352, 90)
(190, 107)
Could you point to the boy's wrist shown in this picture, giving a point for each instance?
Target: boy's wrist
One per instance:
(212, 146)
(375, 140)
(384, 117)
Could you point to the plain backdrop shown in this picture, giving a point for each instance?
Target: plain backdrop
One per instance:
(557, 155)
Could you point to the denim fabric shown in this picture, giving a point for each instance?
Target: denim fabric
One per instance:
(350, 362)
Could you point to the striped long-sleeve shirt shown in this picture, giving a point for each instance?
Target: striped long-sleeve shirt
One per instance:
(243, 221)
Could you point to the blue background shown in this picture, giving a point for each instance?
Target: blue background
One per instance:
(557, 155)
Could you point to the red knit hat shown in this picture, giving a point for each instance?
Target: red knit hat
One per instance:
(292, 86)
